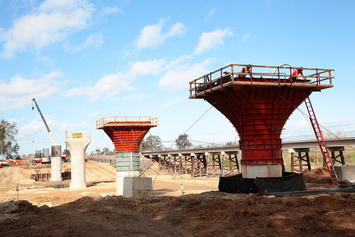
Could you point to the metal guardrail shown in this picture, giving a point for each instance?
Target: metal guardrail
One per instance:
(278, 75)
(127, 120)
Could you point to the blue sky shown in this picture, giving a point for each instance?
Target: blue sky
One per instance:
(85, 59)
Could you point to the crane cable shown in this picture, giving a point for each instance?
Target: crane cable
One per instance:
(194, 123)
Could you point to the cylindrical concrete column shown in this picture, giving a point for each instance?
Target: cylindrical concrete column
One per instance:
(56, 163)
(77, 144)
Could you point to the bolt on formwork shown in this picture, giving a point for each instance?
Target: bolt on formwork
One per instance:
(127, 133)
(258, 100)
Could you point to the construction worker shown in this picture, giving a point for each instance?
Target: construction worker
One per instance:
(246, 69)
(296, 73)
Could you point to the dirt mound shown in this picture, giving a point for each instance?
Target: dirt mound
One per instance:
(318, 175)
(16, 206)
(208, 214)
(11, 176)
(86, 217)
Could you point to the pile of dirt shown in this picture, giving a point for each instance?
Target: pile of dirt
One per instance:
(208, 214)
(11, 176)
(318, 175)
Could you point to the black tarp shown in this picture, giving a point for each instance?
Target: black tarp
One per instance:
(236, 184)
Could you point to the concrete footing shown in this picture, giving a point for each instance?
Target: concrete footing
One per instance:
(346, 173)
(130, 185)
(254, 171)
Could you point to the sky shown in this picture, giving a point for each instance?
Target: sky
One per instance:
(86, 59)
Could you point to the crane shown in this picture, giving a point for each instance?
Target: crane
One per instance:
(51, 136)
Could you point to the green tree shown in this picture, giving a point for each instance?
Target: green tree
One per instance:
(106, 151)
(151, 143)
(8, 145)
(182, 142)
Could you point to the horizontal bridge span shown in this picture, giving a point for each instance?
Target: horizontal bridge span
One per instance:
(349, 141)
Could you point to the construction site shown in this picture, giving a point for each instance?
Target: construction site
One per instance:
(259, 187)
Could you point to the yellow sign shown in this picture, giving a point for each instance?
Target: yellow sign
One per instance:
(77, 135)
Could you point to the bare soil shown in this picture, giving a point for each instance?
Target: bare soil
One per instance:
(95, 211)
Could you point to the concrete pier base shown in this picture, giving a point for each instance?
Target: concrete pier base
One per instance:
(128, 184)
(346, 173)
(254, 171)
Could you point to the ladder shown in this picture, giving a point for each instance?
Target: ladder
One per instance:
(327, 160)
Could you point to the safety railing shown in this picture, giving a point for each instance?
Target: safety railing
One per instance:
(127, 120)
(256, 74)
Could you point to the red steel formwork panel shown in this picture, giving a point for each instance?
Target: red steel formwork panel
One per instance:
(258, 103)
(126, 135)
(258, 114)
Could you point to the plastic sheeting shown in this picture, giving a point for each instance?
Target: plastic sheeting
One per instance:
(237, 184)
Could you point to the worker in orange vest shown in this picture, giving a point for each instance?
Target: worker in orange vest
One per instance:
(296, 73)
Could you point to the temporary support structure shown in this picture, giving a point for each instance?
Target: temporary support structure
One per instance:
(337, 153)
(300, 160)
(258, 100)
(127, 133)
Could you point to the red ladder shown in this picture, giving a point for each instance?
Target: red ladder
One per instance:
(320, 138)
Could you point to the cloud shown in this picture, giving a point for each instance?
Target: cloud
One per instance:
(110, 10)
(50, 22)
(209, 40)
(179, 76)
(113, 84)
(91, 42)
(30, 129)
(19, 91)
(246, 36)
(152, 35)
(143, 68)
(212, 12)
(172, 102)
(108, 85)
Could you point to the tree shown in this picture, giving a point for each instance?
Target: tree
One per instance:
(106, 151)
(231, 143)
(151, 143)
(182, 142)
(8, 145)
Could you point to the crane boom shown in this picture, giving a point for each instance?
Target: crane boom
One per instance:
(51, 136)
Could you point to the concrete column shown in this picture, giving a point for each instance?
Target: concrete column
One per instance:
(77, 144)
(128, 181)
(56, 163)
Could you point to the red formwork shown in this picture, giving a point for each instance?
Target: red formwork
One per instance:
(258, 114)
(259, 103)
(126, 133)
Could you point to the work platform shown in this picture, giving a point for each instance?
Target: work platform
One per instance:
(258, 100)
(263, 76)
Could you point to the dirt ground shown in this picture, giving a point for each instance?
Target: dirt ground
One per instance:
(95, 211)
